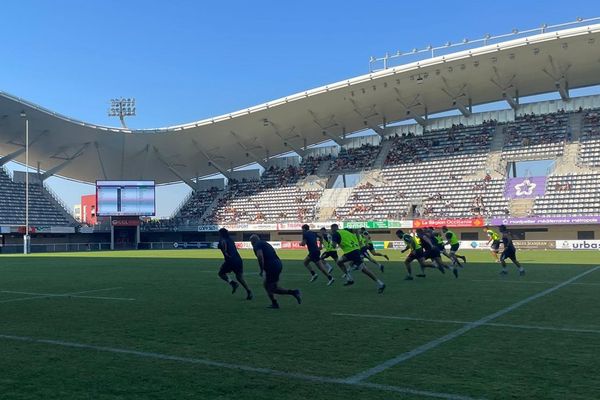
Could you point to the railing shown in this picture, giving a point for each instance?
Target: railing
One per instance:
(58, 200)
(379, 63)
(7, 172)
(180, 206)
(55, 247)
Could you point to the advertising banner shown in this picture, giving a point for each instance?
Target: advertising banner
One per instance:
(450, 222)
(62, 229)
(395, 245)
(593, 219)
(578, 244)
(292, 245)
(290, 226)
(208, 228)
(195, 245)
(525, 188)
(125, 221)
(535, 244)
(242, 227)
(385, 224)
(248, 245)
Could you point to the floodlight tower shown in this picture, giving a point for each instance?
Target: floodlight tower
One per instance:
(123, 107)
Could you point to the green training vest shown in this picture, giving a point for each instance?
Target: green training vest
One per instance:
(348, 241)
(453, 238)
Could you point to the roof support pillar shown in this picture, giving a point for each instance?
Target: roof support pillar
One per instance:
(193, 185)
(9, 157)
(62, 165)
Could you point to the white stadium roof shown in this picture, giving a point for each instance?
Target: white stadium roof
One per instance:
(541, 63)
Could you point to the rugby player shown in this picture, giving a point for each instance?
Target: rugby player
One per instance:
(232, 263)
(309, 239)
(510, 252)
(494, 240)
(270, 267)
(348, 242)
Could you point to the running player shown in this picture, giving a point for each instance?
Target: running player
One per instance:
(494, 240)
(416, 253)
(329, 249)
(270, 266)
(432, 252)
(364, 249)
(371, 249)
(348, 242)
(232, 263)
(309, 239)
(454, 243)
(509, 251)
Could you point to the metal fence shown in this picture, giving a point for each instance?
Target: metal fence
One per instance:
(55, 247)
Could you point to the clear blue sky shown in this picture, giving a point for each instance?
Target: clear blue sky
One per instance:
(187, 60)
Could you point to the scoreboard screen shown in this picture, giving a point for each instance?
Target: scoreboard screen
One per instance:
(125, 198)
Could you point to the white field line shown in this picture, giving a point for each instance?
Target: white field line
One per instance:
(449, 321)
(34, 295)
(361, 376)
(534, 282)
(239, 367)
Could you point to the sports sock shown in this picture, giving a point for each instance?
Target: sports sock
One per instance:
(379, 282)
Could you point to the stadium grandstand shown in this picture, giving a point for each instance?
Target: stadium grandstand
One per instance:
(345, 151)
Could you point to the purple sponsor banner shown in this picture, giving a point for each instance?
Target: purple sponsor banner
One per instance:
(593, 219)
(525, 188)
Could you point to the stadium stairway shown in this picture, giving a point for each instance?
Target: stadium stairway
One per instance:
(330, 200)
(386, 146)
(209, 210)
(58, 204)
(521, 207)
(576, 126)
(323, 169)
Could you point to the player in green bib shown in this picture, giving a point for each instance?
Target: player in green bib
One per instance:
(328, 248)
(494, 241)
(454, 243)
(348, 242)
(367, 247)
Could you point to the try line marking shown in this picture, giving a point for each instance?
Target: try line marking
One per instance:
(79, 295)
(239, 367)
(361, 376)
(449, 321)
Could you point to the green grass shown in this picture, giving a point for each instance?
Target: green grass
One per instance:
(182, 309)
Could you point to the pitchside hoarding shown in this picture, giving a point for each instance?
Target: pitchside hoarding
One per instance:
(593, 219)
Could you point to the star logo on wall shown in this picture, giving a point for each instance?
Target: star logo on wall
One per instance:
(525, 188)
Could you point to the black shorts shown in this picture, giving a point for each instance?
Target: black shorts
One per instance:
(455, 247)
(235, 265)
(496, 245)
(415, 255)
(433, 253)
(314, 256)
(364, 251)
(333, 254)
(441, 248)
(510, 254)
(354, 256)
(272, 272)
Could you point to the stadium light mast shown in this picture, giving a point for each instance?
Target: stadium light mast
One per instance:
(26, 238)
(123, 107)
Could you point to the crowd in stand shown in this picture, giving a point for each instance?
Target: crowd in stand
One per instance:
(357, 158)
(408, 148)
(544, 129)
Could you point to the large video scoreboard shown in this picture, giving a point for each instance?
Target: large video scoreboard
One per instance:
(125, 198)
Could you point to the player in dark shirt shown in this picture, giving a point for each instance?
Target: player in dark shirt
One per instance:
(270, 267)
(233, 263)
(309, 239)
(510, 252)
(431, 251)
